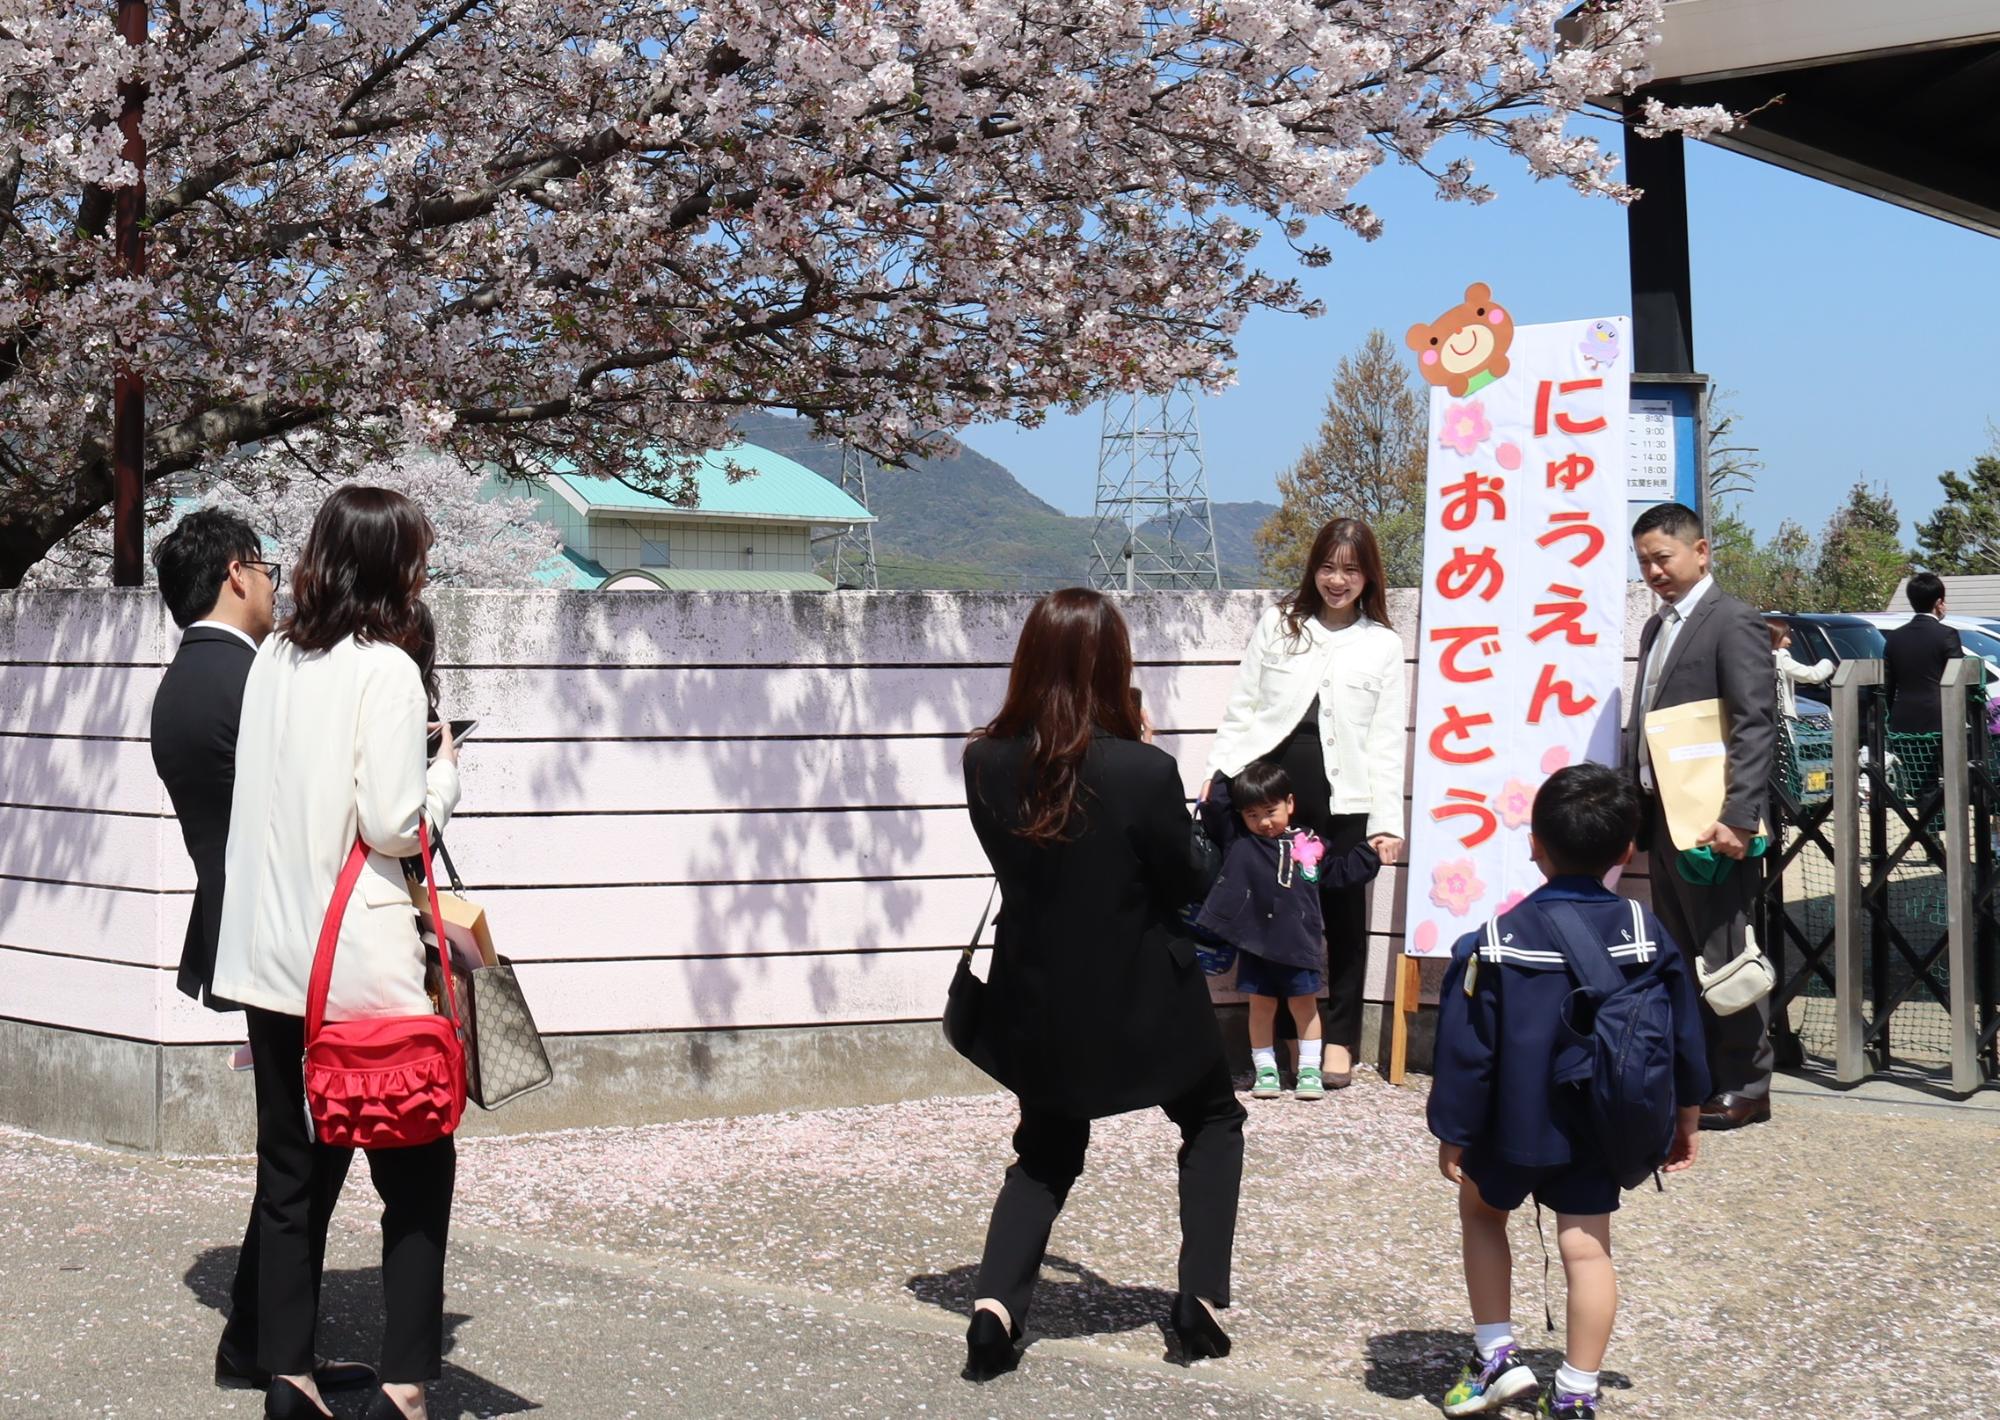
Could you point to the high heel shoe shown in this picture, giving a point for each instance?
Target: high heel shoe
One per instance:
(1200, 1335)
(383, 1408)
(989, 1347)
(285, 1401)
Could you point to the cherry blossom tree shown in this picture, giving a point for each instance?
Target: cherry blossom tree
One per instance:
(556, 226)
(485, 537)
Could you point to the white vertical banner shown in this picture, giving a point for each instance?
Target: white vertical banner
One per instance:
(1521, 645)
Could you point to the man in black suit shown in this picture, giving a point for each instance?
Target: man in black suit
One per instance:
(1704, 644)
(1914, 657)
(223, 596)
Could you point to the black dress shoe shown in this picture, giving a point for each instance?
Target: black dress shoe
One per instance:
(1200, 1335)
(1732, 1111)
(989, 1347)
(232, 1374)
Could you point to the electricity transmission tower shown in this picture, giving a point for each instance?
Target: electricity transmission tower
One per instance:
(1154, 530)
(851, 565)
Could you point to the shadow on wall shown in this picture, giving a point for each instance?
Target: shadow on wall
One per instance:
(77, 677)
(766, 748)
(350, 1326)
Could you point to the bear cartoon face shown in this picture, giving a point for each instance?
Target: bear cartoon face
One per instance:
(1464, 343)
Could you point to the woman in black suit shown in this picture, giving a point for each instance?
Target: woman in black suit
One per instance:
(1094, 1005)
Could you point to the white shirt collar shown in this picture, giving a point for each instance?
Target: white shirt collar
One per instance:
(235, 631)
(1684, 608)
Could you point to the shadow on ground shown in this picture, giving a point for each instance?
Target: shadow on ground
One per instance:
(350, 1327)
(1086, 1305)
(1410, 1365)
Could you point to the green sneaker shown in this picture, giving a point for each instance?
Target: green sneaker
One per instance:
(1265, 1086)
(1310, 1086)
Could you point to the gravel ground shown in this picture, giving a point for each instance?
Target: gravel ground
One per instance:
(1842, 1259)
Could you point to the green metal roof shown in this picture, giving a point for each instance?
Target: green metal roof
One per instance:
(569, 571)
(682, 579)
(778, 488)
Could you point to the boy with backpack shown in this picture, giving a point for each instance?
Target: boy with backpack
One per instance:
(1570, 1064)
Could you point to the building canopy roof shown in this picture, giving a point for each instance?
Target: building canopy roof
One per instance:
(1895, 100)
(778, 488)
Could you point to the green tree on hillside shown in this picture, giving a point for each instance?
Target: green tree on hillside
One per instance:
(1963, 536)
(1366, 462)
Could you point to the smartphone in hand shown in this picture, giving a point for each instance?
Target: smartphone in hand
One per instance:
(459, 730)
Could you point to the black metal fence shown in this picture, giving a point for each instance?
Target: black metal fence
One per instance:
(1881, 902)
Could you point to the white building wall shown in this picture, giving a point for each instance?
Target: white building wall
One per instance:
(618, 542)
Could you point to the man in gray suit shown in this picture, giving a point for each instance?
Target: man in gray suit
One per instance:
(1704, 644)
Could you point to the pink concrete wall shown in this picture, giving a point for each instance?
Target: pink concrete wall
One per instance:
(682, 811)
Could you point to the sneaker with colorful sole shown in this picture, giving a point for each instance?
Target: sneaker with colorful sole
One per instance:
(1486, 1385)
(1564, 1405)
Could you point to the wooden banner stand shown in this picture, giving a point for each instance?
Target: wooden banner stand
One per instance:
(1409, 990)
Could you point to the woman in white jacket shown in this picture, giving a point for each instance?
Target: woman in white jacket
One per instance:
(1322, 691)
(331, 747)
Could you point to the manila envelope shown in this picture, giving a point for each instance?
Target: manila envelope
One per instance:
(1690, 752)
(464, 926)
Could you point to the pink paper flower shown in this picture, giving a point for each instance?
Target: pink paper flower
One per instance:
(1466, 427)
(1516, 804)
(1508, 903)
(1455, 886)
(1307, 849)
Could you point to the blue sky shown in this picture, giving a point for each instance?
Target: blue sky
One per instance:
(1859, 340)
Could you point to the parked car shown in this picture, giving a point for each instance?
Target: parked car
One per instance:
(1977, 636)
(1827, 636)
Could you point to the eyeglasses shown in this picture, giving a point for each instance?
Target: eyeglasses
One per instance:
(274, 570)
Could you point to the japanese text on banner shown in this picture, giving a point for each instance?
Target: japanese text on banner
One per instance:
(1521, 646)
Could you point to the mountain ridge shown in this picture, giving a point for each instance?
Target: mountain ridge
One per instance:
(958, 519)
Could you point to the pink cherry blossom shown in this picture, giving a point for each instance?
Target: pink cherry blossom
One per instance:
(1455, 886)
(1466, 427)
(534, 228)
(1516, 803)
(1508, 903)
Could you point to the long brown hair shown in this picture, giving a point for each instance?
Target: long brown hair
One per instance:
(1304, 602)
(1072, 676)
(361, 573)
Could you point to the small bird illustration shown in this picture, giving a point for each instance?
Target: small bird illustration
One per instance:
(1599, 346)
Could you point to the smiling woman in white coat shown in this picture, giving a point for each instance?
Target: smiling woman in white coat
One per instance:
(332, 748)
(1323, 692)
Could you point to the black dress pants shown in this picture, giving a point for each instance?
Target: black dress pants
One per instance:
(1711, 921)
(297, 1182)
(1050, 1149)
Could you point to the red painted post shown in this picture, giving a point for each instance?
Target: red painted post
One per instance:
(128, 407)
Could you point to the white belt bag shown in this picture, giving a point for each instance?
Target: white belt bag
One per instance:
(1740, 982)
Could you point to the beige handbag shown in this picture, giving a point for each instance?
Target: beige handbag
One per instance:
(1739, 983)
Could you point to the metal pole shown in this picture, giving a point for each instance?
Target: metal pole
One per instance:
(128, 401)
(1849, 680)
(1959, 676)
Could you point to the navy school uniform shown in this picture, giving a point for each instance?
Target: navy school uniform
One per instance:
(1499, 1045)
(1266, 906)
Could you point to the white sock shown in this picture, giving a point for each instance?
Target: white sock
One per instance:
(1263, 1057)
(1490, 1336)
(1571, 1381)
(1309, 1054)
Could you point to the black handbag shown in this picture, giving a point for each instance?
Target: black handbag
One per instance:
(963, 1000)
(1207, 857)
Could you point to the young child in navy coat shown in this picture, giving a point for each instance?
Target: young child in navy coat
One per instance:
(1266, 905)
(1506, 1131)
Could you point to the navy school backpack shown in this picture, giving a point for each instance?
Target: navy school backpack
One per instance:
(1625, 1026)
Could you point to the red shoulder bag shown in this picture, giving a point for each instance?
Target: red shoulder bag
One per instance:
(390, 1081)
